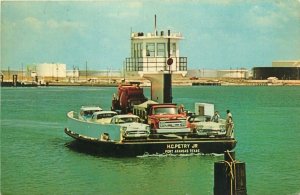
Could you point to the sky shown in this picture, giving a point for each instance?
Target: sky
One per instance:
(218, 34)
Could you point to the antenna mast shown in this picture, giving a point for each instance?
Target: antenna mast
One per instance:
(155, 30)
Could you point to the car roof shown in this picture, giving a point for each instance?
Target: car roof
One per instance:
(86, 108)
(104, 112)
(165, 106)
(126, 116)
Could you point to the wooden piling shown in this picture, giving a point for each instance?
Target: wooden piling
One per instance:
(230, 176)
(15, 80)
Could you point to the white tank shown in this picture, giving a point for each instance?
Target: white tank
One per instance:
(51, 70)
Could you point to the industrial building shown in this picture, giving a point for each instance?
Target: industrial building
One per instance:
(282, 70)
(208, 73)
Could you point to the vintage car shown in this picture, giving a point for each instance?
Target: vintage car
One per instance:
(103, 117)
(86, 112)
(203, 126)
(131, 126)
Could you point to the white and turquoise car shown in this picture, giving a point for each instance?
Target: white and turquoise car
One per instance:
(86, 112)
(131, 126)
(203, 126)
(103, 117)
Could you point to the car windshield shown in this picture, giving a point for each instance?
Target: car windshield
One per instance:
(172, 110)
(90, 112)
(106, 115)
(197, 119)
(129, 120)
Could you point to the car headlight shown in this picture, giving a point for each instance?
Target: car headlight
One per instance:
(123, 128)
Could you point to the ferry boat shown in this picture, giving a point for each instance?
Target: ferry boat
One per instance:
(165, 127)
(157, 133)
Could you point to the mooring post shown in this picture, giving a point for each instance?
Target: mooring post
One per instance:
(15, 80)
(230, 176)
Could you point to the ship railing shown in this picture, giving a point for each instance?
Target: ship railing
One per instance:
(155, 64)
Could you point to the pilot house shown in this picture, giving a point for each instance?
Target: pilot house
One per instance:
(150, 53)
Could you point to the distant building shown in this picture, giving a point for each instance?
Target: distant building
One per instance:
(202, 73)
(73, 74)
(100, 73)
(231, 73)
(286, 64)
(283, 70)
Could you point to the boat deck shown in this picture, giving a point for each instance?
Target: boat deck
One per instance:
(139, 147)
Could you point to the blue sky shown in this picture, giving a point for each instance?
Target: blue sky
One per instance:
(219, 34)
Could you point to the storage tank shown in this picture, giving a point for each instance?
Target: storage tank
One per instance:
(51, 70)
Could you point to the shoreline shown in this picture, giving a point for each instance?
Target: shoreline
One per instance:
(145, 83)
(184, 82)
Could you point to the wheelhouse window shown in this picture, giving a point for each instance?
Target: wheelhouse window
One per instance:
(141, 50)
(137, 50)
(161, 49)
(173, 49)
(150, 49)
(134, 55)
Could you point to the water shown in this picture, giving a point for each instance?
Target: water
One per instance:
(35, 159)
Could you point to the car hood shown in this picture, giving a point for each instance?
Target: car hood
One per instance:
(134, 126)
(209, 125)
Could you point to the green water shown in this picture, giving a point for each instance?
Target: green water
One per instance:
(35, 159)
